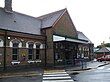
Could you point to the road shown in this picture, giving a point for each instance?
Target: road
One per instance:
(60, 76)
(100, 74)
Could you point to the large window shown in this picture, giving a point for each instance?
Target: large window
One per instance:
(30, 51)
(15, 51)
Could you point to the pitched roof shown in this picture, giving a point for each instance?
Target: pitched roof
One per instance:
(19, 22)
(27, 24)
(96, 49)
(83, 37)
(105, 49)
(49, 19)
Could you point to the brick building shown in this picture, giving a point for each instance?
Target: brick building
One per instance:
(48, 40)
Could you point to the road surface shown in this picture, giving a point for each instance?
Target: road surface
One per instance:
(100, 74)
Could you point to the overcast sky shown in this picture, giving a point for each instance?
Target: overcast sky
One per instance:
(92, 17)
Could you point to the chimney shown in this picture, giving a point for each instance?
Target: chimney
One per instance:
(8, 6)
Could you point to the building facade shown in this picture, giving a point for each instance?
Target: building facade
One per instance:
(48, 40)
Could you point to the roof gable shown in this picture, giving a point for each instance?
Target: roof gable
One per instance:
(64, 26)
(49, 19)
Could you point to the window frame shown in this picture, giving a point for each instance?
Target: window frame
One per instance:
(15, 53)
(30, 55)
(37, 55)
(1, 43)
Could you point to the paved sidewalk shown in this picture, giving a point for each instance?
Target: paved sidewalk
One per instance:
(90, 65)
(25, 73)
(97, 64)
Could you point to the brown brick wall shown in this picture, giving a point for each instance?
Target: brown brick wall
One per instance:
(65, 27)
(23, 38)
(50, 54)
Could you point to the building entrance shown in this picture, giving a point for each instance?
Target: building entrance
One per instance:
(65, 53)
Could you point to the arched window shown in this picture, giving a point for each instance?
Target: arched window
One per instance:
(1, 43)
(15, 48)
(15, 41)
(38, 45)
(30, 46)
(15, 44)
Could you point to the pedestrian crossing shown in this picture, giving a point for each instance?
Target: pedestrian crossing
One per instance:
(57, 77)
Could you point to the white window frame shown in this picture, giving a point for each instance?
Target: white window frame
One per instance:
(27, 46)
(19, 46)
(1, 43)
(12, 41)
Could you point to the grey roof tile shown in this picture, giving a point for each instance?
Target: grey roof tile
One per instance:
(104, 49)
(83, 37)
(49, 19)
(19, 22)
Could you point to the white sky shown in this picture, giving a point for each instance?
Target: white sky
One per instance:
(92, 17)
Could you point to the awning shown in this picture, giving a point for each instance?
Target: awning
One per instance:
(75, 40)
(60, 38)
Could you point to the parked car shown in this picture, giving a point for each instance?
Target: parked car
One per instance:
(104, 58)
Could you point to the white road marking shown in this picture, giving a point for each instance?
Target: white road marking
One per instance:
(59, 81)
(57, 77)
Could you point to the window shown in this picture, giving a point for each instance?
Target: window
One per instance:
(37, 51)
(57, 56)
(56, 45)
(37, 56)
(15, 51)
(30, 51)
(38, 46)
(1, 43)
(30, 57)
(30, 45)
(15, 44)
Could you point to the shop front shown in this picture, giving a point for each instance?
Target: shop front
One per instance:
(65, 50)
